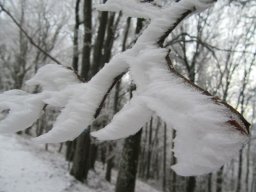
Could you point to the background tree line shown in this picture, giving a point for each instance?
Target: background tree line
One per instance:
(214, 49)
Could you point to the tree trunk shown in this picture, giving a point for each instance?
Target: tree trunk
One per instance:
(75, 40)
(219, 180)
(149, 149)
(110, 163)
(191, 184)
(130, 155)
(81, 162)
(93, 155)
(87, 10)
(128, 165)
(70, 150)
(98, 45)
(173, 178)
(247, 167)
(164, 158)
(107, 55)
(239, 174)
(209, 186)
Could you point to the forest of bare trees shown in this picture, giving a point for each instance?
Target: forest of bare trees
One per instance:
(214, 49)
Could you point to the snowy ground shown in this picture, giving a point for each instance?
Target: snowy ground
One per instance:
(27, 167)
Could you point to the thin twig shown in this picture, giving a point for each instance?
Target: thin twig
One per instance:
(107, 93)
(166, 34)
(232, 122)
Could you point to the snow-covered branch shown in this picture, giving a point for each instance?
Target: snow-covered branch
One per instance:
(209, 132)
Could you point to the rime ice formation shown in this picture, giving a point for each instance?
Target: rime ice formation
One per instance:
(22, 110)
(209, 132)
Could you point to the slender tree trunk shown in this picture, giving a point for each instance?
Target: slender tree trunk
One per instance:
(130, 155)
(219, 180)
(70, 145)
(253, 185)
(87, 10)
(173, 176)
(107, 54)
(98, 45)
(110, 163)
(75, 40)
(81, 161)
(128, 165)
(149, 149)
(164, 158)
(209, 186)
(248, 168)
(126, 33)
(110, 37)
(239, 174)
(60, 148)
(93, 155)
(70, 150)
(191, 184)
(143, 153)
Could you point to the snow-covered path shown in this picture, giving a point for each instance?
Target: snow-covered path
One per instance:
(26, 168)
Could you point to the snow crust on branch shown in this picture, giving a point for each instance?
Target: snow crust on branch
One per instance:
(22, 110)
(132, 8)
(53, 77)
(208, 132)
(80, 107)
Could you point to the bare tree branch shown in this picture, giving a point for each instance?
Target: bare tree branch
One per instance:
(27, 35)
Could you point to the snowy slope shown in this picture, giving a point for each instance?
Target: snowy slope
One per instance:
(29, 169)
(25, 167)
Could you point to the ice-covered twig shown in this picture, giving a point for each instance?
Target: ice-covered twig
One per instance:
(194, 113)
(243, 128)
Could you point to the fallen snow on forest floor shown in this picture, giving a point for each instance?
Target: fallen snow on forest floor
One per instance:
(27, 167)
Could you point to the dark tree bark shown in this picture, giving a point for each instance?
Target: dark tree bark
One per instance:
(70, 150)
(142, 164)
(209, 183)
(164, 158)
(107, 53)
(130, 155)
(219, 180)
(98, 45)
(70, 145)
(75, 40)
(247, 176)
(81, 161)
(110, 163)
(128, 165)
(191, 184)
(239, 174)
(87, 10)
(149, 149)
(110, 36)
(173, 175)
(93, 155)
(126, 33)
(110, 159)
